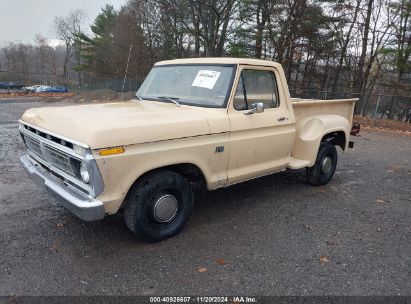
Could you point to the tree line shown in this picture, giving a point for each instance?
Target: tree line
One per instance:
(329, 49)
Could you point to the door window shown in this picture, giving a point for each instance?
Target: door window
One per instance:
(256, 86)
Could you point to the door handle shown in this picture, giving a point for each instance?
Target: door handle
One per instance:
(282, 118)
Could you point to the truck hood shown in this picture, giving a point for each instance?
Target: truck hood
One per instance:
(120, 123)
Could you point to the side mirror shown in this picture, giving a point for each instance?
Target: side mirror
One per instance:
(257, 107)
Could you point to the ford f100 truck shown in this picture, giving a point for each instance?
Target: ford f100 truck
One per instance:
(200, 121)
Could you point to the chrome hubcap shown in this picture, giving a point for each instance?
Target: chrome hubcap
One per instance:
(326, 164)
(165, 208)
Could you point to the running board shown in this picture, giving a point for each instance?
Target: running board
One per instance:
(297, 163)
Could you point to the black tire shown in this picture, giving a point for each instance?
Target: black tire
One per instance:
(318, 176)
(141, 201)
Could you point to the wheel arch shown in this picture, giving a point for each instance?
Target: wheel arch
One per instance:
(337, 138)
(188, 170)
(313, 130)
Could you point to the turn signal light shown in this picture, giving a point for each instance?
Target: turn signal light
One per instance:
(111, 151)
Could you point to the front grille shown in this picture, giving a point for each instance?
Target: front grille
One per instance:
(58, 159)
(51, 155)
(33, 145)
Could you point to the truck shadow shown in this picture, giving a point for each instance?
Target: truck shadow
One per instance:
(213, 207)
(273, 189)
(248, 205)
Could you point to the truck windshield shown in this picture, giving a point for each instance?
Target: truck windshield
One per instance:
(196, 85)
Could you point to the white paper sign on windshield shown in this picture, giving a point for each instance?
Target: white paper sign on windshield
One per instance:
(206, 79)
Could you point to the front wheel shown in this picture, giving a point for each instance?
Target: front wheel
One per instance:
(158, 205)
(324, 166)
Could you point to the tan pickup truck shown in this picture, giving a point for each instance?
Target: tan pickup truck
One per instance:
(202, 121)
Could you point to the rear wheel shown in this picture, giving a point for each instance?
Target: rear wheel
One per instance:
(325, 164)
(158, 205)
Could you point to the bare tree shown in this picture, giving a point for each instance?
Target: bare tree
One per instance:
(66, 29)
(359, 80)
(402, 50)
(344, 42)
(45, 58)
(262, 14)
(214, 18)
(18, 59)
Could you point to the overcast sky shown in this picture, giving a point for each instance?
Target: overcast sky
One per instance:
(21, 20)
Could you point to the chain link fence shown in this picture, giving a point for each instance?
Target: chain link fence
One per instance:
(375, 105)
(73, 82)
(113, 84)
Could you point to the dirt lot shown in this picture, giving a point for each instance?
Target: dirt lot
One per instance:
(272, 236)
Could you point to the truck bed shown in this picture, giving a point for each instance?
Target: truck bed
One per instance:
(309, 107)
(310, 116)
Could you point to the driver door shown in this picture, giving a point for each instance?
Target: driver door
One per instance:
(261, 142)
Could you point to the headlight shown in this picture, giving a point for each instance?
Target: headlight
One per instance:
(85, 176)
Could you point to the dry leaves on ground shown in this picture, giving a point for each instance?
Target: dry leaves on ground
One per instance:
(308, 227)
(324, 259)
(201, 269)
(221, 262)
(61, 224)
(384, 124)
(54, 246)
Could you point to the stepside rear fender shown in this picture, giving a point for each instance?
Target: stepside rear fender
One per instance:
(312, 129)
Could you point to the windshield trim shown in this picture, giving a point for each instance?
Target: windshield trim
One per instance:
(228, 93)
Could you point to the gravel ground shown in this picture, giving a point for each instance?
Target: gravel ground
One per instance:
(276, 235)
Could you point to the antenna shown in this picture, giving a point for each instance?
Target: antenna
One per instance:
(125, 74)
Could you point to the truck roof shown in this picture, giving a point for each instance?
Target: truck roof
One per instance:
(220, 60)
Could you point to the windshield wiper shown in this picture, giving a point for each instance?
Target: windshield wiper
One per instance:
(138, 97)
(172, 99)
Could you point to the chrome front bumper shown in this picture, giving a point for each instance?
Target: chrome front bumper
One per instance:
(86, 208)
